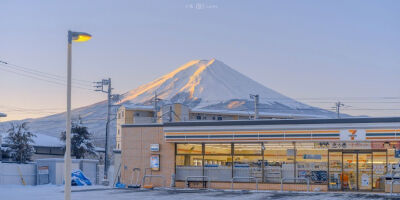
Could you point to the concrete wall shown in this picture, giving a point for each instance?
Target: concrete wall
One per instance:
(136, 153)
(117, 164)
(10, 173)
(56, 170)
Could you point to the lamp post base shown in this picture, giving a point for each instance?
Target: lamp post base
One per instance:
(105, 182)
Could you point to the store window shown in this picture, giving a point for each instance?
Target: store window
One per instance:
(247, 161)
(188, 165)
(218, 148)
(379, 170)
(278, 161)
(247, 166)
(252, 148)
(312, 162)
(218, 167)
(189, 149)
(218, 161)
(189, 160)
(393, 157)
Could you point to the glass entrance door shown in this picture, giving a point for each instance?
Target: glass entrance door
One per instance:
(357, 169)
(364, 171)
(349, 177)
(379, 170)
(335, 170)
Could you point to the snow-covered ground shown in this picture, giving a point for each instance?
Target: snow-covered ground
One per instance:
(50, 192)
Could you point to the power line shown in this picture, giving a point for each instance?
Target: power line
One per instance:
(41, 78)
(14, 107)
(41, 72)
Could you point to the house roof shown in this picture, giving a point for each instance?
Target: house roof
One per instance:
(226, 112)
(42, 140)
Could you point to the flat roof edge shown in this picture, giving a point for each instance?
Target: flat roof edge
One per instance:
(142, 125)
(285, 122)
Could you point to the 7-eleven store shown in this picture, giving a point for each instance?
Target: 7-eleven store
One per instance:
(352, 154)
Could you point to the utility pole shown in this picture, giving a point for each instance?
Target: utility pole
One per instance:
(256, 101)
(170, 113)
(155, 107)
(100, 88)
(338, 105)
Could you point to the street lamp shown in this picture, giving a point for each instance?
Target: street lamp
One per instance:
(72, 37)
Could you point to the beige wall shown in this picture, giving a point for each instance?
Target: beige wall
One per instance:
(136, 153)
(124, 116)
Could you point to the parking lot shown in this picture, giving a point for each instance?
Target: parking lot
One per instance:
(49, 192)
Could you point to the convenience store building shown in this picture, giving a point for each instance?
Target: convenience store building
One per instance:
(353, 154)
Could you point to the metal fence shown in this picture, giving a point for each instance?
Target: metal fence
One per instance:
(391, 185)
(17, 174)
(244, 178)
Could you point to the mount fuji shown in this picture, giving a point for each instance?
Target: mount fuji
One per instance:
(200, 84)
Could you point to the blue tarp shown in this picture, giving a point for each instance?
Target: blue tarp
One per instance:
(79, 179)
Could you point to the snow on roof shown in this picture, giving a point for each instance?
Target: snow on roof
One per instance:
(138, 107)
(42, 140)
(262, 114)
(228, 112)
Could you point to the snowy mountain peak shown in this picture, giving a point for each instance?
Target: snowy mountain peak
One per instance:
(200, 83)
(183, 79)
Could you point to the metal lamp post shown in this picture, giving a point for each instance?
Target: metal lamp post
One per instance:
(76, 37)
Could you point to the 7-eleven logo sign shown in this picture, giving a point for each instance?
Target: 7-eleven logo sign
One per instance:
(352, 135)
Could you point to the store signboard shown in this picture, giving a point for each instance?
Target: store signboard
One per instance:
(155, 162)
(290, 152)
(350, 145)
(155, 147)
(397, 154)
(312, 156)
(352, 135)
(394, 144)
(365, 180)
(378, 145)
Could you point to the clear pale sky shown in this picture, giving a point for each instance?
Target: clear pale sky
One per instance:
(317, 52)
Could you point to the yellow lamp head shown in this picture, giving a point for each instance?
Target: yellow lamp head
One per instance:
(78, 36)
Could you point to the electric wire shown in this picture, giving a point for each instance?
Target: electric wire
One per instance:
(63, 78)
(42, 79)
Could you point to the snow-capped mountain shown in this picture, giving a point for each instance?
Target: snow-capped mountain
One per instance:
(211, 84)
(200, 84)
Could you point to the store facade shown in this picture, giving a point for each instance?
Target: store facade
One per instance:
(333, 154)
